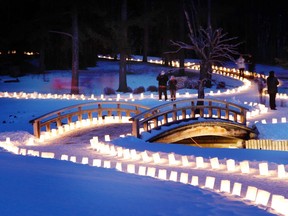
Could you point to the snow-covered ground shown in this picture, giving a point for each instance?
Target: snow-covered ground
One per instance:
(125, 185)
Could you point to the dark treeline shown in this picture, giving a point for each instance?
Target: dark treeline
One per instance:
(45, 26)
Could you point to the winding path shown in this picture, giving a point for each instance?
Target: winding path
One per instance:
(78, 144)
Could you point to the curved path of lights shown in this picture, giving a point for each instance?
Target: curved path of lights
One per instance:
(235, 179)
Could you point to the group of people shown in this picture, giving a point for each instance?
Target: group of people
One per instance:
(271, 82)
(164, 83)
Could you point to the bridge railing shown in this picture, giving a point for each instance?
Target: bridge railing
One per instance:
(99, 110)
(187, 109)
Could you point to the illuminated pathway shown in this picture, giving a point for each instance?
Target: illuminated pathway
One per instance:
(230, 178)
(240, 180)
(260, 183)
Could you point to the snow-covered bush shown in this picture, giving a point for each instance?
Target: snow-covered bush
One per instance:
(191, 84)
(221, 85)
(139, 90)
(109, 91)
(152, 88)
(129, 89)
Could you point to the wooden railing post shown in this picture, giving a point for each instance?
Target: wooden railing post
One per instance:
(174, 114)
(90, 117)
(243, 116)
(69, 119)
(227, 111)
(183, 114)
(192, 109)
(79, 114)
(58, 121)
(210, 110)
(36, 128)
(135, 128)
(118, 111)
(165, 118)
(99, 111)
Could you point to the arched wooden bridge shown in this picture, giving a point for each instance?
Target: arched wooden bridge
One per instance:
(98, 112)
(180, 120)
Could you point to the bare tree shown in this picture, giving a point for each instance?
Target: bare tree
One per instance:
(75, 50)
(211, 47)
(123, 49)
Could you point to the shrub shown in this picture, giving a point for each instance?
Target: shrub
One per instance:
(221, 85)
(139, 90)
(129, 89)
(109, 91)
(190, 84)
(152, 89)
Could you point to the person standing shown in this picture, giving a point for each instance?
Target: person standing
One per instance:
(162, 84)
(172, 84)
(261, 83)
(241, 66)
(251, 66)
(272, 87)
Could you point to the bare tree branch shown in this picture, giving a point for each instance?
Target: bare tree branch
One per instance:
(63, 33)
(210, 46)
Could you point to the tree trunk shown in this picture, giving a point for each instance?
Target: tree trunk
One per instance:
(123, 50)
(146, 34)
(201, 92)
(145, 43)
(42, 58)
(75, 52)
(182, 37)
(122, 73)
(203, 75)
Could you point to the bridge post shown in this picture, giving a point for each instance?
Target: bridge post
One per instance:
(118, 111)
(36, 128)
(155, 122)
(183, 114)
(100, 111)
(227, 111)
(192, 109)
(174, 114)
(243, 116)
(79, 114)
(69, 119)
(135, 128)
(90, 117)
(165, 119)
(210, 113)
(58, 121)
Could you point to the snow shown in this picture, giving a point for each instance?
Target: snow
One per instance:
(43, 186)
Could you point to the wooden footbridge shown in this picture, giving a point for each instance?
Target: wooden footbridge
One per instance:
(172, 122)
(86, 114)
(181, 121)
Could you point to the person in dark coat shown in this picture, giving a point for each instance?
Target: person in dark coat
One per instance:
(251, 66)
(172, 83)
(272, 87)
(162, 84)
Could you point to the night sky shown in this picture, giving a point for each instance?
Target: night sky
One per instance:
(25, 25)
